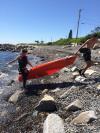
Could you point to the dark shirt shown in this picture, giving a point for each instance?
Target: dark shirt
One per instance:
(23, 61)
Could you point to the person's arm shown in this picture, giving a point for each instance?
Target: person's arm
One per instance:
(96, 44)
(83, 45)
(13, 61)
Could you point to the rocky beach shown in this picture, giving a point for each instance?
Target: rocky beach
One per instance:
(64, 101)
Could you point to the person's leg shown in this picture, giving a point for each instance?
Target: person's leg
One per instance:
(24, 75)
(87, 59)
(88, 64)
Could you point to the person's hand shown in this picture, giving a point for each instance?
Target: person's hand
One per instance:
(77, 54)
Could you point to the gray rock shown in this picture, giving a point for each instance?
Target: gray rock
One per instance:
(84, 117)
(44, 91)
(74, 69)
(90, 71)
(47, 104)
(15, 97)
(53, 124)
(74, 106)
(80, 79)
(98, 87)
(56, 90)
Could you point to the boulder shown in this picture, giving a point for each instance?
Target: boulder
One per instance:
(90, 71)
(84, 117)
(53, 124)
(15, 97)
(74, 106)
(47, 104)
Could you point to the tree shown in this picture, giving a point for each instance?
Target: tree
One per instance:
(42, 42)
(70, 35)
(97, 29)
(37, 41)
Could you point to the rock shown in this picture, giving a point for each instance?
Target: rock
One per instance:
(18, 109)
(98, 52)
(90, 71)
(42, 81)
(11, 82)
(74, 106)
(75, 73)
(65, 70)
(30, 51)
(56, 90)
(15, 97)
(44, 91)
(1, 91)
(98, 87)
(80, 79)
(65, 94)
(35, 113)
(47, 104)
(74, 69)
(53, 124)
(3, 113)
(84, 117)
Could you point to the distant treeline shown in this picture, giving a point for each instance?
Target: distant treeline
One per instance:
(68, 41)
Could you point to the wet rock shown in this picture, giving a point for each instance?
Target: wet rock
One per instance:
(84, 117)
(53, 124)
(15, 97)
(47, 104)
(74, 106)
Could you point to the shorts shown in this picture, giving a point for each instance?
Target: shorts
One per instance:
(86, 54)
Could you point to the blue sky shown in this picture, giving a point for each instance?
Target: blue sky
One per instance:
(30, 20)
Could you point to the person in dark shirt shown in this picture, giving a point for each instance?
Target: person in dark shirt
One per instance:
(22, 63)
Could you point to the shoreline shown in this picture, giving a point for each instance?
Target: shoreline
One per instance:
(64, 81)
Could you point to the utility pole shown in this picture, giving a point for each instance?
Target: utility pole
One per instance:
(78, 23)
